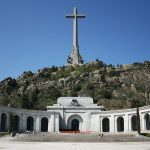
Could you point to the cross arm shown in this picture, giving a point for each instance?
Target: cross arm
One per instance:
(81, 16)
(69, 16)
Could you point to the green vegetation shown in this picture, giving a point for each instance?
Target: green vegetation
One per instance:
(3, 134)
(145, 134)
(114, 87)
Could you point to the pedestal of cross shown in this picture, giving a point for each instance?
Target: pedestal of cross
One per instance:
(75, 58)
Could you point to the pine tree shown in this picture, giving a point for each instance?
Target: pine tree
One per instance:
(25, 101)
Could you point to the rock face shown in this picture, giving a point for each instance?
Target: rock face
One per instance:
(112, 87)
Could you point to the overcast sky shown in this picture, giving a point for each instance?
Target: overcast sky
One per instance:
(35, 33)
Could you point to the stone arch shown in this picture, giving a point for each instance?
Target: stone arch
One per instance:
(16, 123)
(3, 122)
(147, 121)
(105, 125)
(44, 124)
(134, 123)
(75, 123)
(30, 123)
(120, 124)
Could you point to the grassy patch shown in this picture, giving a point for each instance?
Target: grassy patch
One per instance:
(3, 133)
(146, 134)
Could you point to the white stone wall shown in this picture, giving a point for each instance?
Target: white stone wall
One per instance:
(90, 120)
(53, 118)
(127, 114)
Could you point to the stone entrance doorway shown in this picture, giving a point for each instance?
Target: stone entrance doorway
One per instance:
(75, 125)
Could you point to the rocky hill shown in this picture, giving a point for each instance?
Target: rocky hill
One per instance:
(121, 86)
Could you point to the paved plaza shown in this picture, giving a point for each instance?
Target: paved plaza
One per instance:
(78, 138)
(72, 146)
(74, 142)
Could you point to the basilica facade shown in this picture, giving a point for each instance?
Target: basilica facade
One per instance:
(75, 114)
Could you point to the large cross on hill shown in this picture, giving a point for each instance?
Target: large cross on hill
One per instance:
(75, 57)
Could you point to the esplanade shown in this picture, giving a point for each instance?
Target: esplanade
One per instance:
(75, 114)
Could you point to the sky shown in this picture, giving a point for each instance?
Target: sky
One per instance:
(35, 33)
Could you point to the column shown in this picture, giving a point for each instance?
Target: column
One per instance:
(34, 122)
(56, 122)
(7, 122)
(37, 124)
(24, 122)
(115, 123)
(100, 124)
(20, 118)
(142, 122)
(129, 122)
(112, 123)
(126, 123)
(51, 123)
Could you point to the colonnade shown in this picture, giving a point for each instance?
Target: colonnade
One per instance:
(37, 121)
(120, 122)
(100, 121)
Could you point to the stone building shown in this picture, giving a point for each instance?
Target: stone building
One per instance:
(75, 114)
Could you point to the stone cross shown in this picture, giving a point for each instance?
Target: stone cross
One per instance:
(75, 58)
